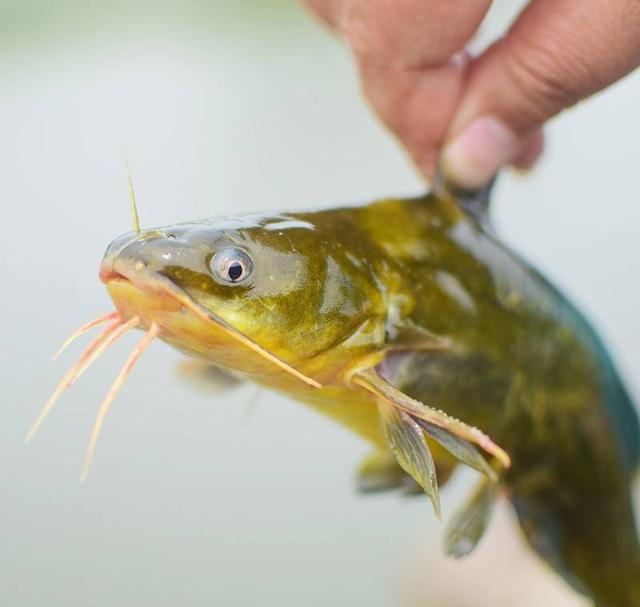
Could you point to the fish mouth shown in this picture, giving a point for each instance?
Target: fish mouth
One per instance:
(108, 274)
(133, 272)
(135, 291)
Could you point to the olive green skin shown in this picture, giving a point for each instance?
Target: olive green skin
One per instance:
(529, 370)
(331, 290)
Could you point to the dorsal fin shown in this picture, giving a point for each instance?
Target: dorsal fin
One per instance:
(475, 203)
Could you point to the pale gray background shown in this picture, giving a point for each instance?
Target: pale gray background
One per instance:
(198, 499)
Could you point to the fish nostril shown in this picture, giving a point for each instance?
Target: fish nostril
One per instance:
(139, 265)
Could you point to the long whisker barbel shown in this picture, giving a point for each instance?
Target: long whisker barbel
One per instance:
(83, 329)
(110, 339)
(95, 349)
(152, 333)
(98, 345)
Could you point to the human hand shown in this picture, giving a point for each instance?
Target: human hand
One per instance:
(472, 116)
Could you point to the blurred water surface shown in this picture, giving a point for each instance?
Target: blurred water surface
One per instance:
(196, 499)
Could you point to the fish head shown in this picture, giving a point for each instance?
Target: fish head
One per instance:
(230, 290)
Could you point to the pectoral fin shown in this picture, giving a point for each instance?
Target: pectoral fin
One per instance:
(469, 524)
(407, 443)
(459, 448)
(371, 381)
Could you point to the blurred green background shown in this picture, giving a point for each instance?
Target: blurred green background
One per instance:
(240, 498)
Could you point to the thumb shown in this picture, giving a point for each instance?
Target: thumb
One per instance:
(557, 53)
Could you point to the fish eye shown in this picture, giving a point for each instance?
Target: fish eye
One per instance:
(231, 265)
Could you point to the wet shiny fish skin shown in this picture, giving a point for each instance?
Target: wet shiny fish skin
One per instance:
(422, 294)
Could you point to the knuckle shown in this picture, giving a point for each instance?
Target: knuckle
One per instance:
(550, 77)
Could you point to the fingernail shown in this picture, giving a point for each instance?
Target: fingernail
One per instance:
(474, 156)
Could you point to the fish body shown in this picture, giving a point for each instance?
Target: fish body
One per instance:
(411, 324)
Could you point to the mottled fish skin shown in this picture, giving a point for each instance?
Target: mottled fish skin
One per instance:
(339, 290)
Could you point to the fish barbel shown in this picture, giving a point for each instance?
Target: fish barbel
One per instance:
(410, 323)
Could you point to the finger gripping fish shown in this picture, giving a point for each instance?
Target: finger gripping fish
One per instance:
(411, 324)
